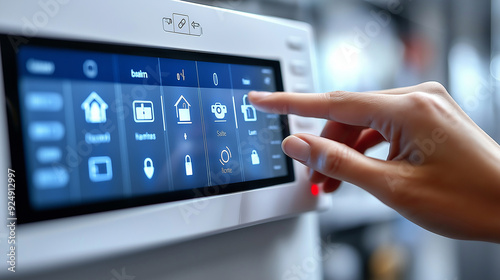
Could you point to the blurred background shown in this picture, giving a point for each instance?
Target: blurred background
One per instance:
(369, 45)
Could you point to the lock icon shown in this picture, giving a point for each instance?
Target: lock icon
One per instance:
(149, 169)
(184, 114)
(255, 158)
(188, 164)
(249, 113)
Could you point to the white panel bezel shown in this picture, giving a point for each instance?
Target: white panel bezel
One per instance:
(69, 240)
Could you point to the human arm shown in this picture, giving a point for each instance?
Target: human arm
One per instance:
(442, 172)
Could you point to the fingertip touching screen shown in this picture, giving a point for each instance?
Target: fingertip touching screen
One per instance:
(96, 127)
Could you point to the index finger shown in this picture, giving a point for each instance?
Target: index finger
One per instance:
(351, 108)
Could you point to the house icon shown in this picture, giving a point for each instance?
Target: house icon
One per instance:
(182, 111)
(95, 108)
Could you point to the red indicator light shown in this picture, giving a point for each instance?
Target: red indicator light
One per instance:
(314, 189)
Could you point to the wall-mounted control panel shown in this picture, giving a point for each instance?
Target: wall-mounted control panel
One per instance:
(138, 123)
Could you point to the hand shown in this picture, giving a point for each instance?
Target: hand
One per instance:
(442, 172)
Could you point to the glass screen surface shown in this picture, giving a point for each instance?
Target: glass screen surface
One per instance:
(96, 127)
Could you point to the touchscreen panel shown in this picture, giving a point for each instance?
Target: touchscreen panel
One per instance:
(96, 127)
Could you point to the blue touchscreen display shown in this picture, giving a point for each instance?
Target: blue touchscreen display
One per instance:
(103, 124)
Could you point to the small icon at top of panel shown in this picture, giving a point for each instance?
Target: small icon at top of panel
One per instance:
(181, 75)
(181, 23)
(195, 28)
(246, 81)
(95, 108)
(267, 73)
(143, 111)
(168, 24)
(215, 78)
(182, 110)
(40, 67)
(90, 69)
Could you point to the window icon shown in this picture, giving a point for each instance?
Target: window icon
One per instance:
(182, 111)
(249, 113)
(143, 111)
(219, 111)
(95, 108)
(100, 169)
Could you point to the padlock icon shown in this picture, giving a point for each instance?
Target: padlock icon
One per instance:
(189, 165)
(255, 158)
(184, 114)
(249, 113)
(149, 169)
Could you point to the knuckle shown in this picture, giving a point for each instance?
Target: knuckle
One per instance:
(419, 99)
(424, 103)
(334, 160)
(434, 87)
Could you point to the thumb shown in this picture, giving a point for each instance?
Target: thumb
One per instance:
(338, 161)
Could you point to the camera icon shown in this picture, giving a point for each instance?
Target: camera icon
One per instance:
(219, 110)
